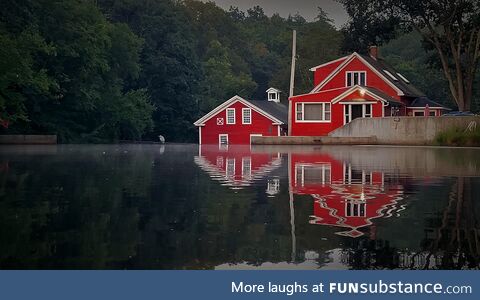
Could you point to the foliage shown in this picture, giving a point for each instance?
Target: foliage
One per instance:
(457, 136)
(69, 71)
(450, 27)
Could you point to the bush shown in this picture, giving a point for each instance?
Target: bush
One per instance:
(459, 137)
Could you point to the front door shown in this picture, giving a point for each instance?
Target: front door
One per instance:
(354, 111)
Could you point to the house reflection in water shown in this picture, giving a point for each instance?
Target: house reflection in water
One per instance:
(237, 166)
(345, 196)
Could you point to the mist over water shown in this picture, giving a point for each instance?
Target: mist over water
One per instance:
(191, 207)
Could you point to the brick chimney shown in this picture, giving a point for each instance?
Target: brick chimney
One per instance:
(373, 52)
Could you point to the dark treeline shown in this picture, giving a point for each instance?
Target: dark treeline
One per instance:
(106, 70)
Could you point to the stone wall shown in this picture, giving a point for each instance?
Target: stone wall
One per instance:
(403, 130)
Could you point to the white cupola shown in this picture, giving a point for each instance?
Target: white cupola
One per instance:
(273, 95)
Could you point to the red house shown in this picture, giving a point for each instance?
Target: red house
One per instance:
(345, 197)
(238, 166)
(356, 86)
(236, 120)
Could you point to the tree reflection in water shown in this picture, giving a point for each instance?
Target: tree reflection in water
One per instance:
(175, 207)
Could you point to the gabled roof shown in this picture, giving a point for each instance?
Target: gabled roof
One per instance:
(273, 90)
(372, 92)
(391, 101)
(422, 102)
(266, 111)
(403, 87)
(278, 110)
(328, 63)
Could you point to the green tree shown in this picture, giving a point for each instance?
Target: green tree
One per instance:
(450, 27)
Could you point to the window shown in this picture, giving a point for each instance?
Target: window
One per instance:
(367, 113)
(419, 114)
(313, 174)
(231, 116)
(313, 112)
(355, 209)
(246, 116)
(272, 96)
(223, 139)
(246, 168)
(390, 75)
(431, 113)
(403, 78)
(230, 168)
(356, 78)
(220, 121)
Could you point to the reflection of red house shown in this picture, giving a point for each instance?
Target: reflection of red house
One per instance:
(344, 196)
(356, 86)
(237, 167)
(236, 120)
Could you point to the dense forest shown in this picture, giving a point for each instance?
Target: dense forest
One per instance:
(106, 70)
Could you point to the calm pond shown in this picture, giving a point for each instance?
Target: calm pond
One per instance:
(191, 207)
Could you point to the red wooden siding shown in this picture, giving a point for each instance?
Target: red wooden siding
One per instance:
(337, 109)
(238, 133)
(373, 79)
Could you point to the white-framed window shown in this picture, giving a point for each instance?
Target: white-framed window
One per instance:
(313, 174)
(367, 110)
(220, 121)
(246, 168)
(246, 116)
(223, 139)
(390, 75)
(353, 111)
(355, 208)
(403, 78)
(272, 96)
(231, 116)
(313, 112)
(230, 167)
(355, 78)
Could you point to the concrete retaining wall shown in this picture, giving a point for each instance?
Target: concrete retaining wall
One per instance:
(28, 139)
(403, 130)
(312, 140)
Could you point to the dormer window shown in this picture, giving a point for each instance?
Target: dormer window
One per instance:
(403, 78)
(390, 75)
(356, 78)
(273, 95)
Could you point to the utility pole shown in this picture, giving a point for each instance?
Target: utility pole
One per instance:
(292, 81)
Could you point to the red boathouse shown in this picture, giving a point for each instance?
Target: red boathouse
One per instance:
(356, 86)
(236, 120)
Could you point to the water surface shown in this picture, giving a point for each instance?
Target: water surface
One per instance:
(185, 207)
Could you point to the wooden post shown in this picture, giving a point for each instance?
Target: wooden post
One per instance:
(292, 81)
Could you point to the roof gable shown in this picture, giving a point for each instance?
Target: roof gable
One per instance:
(345, 63)
(375, 94)
(224, 105)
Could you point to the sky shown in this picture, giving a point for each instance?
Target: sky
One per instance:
(306, 8)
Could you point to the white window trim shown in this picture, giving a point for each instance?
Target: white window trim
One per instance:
(355, 212)
(390, 75)
(244, 163)
(348, 107)
(300, 170)
(227, 174)
(220, 139)
(403, 78)
(352, 72)
(313, 121)
(243, 116)
(234, 120)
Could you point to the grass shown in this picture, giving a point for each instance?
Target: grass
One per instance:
(459, 137)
